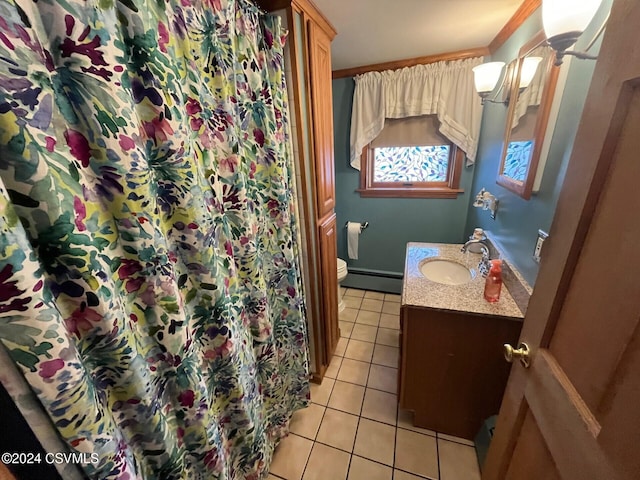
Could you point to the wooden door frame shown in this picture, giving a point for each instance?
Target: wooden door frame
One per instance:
(591, 159)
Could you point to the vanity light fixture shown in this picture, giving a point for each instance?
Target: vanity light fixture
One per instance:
(486, 78)
(564, 21)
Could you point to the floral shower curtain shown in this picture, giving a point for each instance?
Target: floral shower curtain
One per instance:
(149, 286)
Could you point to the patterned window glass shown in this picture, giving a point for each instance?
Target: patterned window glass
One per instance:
(517, 160)
(411, 164)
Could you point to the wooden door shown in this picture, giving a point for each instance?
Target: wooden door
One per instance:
(5, 474)
(575, 413)
(322, 112)
(329, 273)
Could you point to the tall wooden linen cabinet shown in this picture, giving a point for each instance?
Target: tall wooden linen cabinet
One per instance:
(308, 65)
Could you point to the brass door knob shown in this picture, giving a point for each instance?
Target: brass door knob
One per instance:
(521, 353)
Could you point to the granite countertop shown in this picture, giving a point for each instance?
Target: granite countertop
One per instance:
(418, 291)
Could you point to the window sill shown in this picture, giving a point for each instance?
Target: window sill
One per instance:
(410, 193)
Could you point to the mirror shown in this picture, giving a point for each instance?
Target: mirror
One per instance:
(531, 93)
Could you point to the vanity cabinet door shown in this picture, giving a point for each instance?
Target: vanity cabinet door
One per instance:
(452, 371)
(403, 311)
(329, 273)
(322, 114)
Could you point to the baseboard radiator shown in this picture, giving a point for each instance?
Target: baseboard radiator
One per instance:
(377, 280)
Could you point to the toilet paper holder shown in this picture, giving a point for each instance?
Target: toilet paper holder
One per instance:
(363, 225)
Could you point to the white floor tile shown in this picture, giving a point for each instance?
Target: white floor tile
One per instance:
(351, 302)
(375, 441)
(348, 315)
(371, 305)
(387, 356)
(320, 393)
(338, 429)
(391, 307)
(347, 397)
(359, 350)
(400, 475)
(390, 321)
(341, 346)
(368, 318)
(374, 295)
(354, 292)
(306, 422)
(334, 367)
(390, 297)
(383, 378)
(366, 333)
(380, 406)
(290, 457)
(363, 469)
(345, 328)
(457, 461)
(326, 462)
(389, 337)
(416, 453)
(353, 371)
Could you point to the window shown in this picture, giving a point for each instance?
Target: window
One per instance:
(411, 159)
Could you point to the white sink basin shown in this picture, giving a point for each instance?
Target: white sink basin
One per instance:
(445, 271)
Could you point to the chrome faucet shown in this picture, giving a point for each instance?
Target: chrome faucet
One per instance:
(485, 262)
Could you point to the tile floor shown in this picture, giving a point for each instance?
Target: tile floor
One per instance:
(353, 429)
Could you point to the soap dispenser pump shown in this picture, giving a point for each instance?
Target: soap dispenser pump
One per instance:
(493, 283)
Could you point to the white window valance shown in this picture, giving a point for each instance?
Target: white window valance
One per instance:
(532, 95)
(445, 89)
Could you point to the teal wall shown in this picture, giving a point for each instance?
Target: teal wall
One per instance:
(517, 222)
(392, 221)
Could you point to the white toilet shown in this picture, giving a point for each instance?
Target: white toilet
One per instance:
(342, 274)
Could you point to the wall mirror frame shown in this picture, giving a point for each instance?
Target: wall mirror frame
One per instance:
(517, 171)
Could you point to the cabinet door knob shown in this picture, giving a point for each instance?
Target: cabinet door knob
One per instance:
(521, 353)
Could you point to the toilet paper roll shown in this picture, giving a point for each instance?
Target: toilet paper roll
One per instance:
(353, 232)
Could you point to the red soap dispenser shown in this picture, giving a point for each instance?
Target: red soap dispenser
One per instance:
(493, 283)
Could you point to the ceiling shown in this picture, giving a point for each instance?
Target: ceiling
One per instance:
(378, 31)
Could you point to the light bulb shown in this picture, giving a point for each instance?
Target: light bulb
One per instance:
(564, 16)
(528, 70)
(486, 76)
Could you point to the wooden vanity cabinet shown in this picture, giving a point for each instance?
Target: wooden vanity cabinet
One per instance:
(452, 373)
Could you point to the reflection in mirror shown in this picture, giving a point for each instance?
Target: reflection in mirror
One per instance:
(523, 123)
(530, 100)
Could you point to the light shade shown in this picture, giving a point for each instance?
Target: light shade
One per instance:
(563, 16)
(486, 76)
(528, 70)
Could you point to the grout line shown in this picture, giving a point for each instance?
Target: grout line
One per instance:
(355, 437)
(338, 448)
(395, 444)
(455, 441)
(374, 343)
(417, 475)
(374, 461)
(306, 464)
(438, 455)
